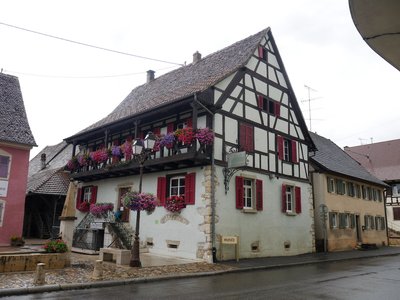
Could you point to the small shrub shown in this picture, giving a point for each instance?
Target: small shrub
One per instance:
(55, 246)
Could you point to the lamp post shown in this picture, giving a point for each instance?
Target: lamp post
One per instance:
(141, 150)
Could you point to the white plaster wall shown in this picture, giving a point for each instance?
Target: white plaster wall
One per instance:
(263, 226)
(231, 134)
(224, 83)
(252, 114)
(218, 123)
(260, 140)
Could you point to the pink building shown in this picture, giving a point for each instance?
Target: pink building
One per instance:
(16, 141)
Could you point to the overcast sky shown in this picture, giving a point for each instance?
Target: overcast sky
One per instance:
(67, 87)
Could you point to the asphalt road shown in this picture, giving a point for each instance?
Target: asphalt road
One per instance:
(371, 278)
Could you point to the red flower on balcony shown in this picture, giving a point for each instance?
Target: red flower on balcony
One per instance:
(99, 156)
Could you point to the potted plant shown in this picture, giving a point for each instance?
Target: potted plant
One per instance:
(17, 241)
(83, 159)
(100, 209)
(72, 164)
(140, 201)
(167, 140)
(185, 135)
(55, 246)
(99, 156)
(205, 136)
(175, 203)
(84, 206)
(126, 149)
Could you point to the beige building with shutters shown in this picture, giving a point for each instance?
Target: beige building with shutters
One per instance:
(349, 201)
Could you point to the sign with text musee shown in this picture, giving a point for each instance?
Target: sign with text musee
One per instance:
(3, 188)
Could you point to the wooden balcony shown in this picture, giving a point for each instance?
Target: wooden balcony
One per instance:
(178, 157)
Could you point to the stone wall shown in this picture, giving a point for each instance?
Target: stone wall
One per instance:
(18, 262)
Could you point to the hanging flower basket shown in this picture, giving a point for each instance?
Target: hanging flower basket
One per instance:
(175, 203)
(100, 209)
(185, 135)
(83, 159)
(72, 164)
(205, 136)
(143, 201)
(167, 140)
(126, 149)
(116, 151)
(99, 156)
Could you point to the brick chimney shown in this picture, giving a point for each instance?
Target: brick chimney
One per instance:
(43, 160)
(196, 57)
(150, 75)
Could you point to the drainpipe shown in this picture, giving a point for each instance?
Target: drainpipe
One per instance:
(212, 183)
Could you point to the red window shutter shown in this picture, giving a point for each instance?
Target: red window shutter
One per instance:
(156, 130)
(294, 151)
(115, 142)
(249, 138)
(242, 136)
(260, 52)
(161, 190)
(190, 188)
(297, 192)
(260, 102)
(277, 109)
(280, 147)
(239, 192)
(170, 127)
(189, 122)
(78, 197)
(93, 196)
(283, 198)
(259, 194)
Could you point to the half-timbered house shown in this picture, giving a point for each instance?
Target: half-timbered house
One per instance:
(261, 199)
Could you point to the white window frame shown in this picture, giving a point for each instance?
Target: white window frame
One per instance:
(290, 199)
(334, 220)
(2, 210)
(179, 186)
(331, 185)
(286, 150)
(87, 193)
(248, 193)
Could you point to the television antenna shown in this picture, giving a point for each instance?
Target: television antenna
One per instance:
(309, 89)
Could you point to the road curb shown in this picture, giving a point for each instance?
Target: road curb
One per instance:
(109, 283)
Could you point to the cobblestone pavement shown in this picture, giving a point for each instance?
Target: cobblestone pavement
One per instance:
(81, 271)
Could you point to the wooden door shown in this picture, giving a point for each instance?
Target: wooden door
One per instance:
(125, 211)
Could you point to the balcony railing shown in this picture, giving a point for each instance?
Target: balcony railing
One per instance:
(88, 167)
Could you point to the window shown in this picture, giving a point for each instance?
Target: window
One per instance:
(369, 222)
(333, 220)
(2, 208)
(364, 192)
(291, 199)
(396, 213)
(246, 137)
(182, 184)
(86, 194)
(380, 223)
(374, 194)
(287, 150)
(176, 186)
(350, 189)
(340, 187)
(344, 220)
(4, 166)
(379, 195)
(249, 193)
(331, 185)
(262, 53)
(269, 106)
(369, 193)
(358, 191)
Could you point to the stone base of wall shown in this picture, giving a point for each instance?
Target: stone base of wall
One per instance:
(27, 262)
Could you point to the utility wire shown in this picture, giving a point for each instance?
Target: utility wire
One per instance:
(78, 77)
(88, 45)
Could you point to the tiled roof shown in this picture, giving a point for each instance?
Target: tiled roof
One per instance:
(381, 159)
(184, 81)
(14, 126)
(331, 157)
(52, 179)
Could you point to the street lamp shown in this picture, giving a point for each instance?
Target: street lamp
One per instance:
(141, 150)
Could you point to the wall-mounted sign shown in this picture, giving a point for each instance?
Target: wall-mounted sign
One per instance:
(229, 240)
(3, 188)
(237, 159)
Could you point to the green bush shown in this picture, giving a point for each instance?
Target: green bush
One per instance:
(56, 246)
